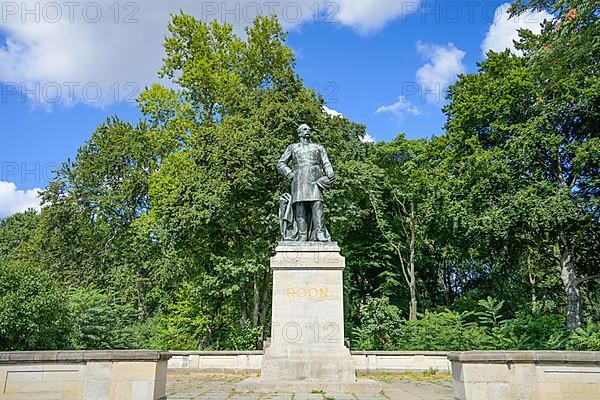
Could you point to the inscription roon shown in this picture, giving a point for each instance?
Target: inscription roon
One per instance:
(311, 293)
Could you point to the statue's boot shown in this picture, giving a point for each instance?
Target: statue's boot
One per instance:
(322, 235)
(302, 231)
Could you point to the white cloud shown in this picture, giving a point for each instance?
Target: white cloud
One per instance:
(445, 63)
(13, 200)
(367, 138)
(369, 15)
(106, 51)
(399, 108)
(332, 112)
(504, 30)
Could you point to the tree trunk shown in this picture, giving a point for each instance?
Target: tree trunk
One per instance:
(412, 283)
(413, 304)
(445, 282)
(263, 308)
(244, 304)
(566, 257)
(570, 283)
(265, 298)
(141, 288)
(255, 302)
(532, 283)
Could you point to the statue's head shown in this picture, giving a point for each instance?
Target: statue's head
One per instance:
(304, 131)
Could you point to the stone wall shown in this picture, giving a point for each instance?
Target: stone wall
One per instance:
(367, 361)
(400, 361)
(217, 361)
(89, 375)
(526, 375)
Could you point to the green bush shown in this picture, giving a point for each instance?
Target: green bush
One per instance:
(190, 324)
(186, 324)
(243, 338)
(441, 331)
(33, 313)
(585, 339)
(98, 321)
(144, 334)
(543, 330)
(529, 332)
(484, 328)
(380, 325)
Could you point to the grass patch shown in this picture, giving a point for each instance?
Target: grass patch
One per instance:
(207, 376)
(429, 375)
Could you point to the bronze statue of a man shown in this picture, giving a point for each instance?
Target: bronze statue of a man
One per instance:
(302, 213)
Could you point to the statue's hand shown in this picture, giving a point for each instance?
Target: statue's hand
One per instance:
(290, 176)
(325, 183)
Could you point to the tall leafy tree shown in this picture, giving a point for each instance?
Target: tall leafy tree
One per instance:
(539, 125)
(401, 205)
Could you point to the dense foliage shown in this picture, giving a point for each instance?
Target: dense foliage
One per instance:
(158, 235)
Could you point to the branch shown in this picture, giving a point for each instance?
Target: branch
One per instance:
(403, 268)
(588, 278)
(380, 223)
(402, 211)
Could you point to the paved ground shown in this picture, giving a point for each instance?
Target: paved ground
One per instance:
(188, 386)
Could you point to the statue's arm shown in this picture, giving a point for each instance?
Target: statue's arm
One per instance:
(327, 167)
(282, 166)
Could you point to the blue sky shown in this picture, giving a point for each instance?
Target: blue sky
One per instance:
(378, 62)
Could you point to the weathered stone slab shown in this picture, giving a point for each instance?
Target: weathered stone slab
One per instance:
(90, 375)
(526, 375)
(359, 386)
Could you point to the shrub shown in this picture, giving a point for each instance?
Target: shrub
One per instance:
(441, 331)
(33, 313)
(98, 321)
(528, 332)
(585, 339)
(380, 325)
(243, 338)
(186, 324)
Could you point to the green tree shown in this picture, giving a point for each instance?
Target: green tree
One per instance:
(401, 205)
(537, 127)
(15, 233)
(33, 314)
(215, 198)
(97, 321)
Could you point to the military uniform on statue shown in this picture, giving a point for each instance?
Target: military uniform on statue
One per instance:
(301, 213)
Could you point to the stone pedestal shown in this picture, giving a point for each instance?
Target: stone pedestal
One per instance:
(307, 348)
(307, 332)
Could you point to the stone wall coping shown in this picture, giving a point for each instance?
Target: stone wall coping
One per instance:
(354, 353)
(77, 356)
(217, 353)
(533, 357)
(400, 353)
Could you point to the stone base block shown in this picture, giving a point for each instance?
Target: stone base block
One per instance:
(308, 363)
(258, 385)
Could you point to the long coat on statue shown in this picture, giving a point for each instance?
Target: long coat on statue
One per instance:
(312, 171)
